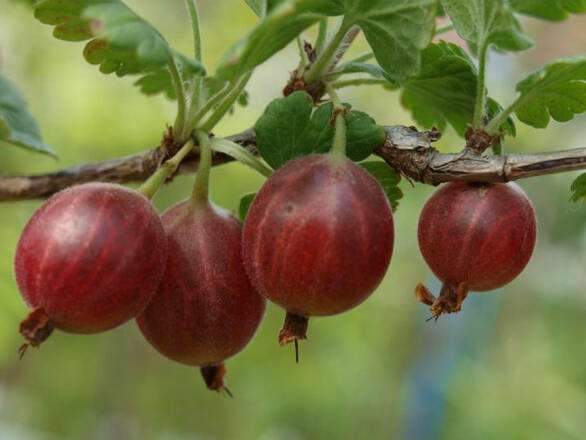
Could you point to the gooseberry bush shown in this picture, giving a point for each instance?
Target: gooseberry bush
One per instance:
(318, 237)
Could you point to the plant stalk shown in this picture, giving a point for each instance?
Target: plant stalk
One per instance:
(323, 60)
(225, 105)
(480, 86)
(322, 34)
(197, 54)
(153, 183)
(339, 142)
(179, 126)
(242, 155)
(201, 187)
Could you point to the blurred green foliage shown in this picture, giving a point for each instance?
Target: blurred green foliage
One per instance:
(512, 365)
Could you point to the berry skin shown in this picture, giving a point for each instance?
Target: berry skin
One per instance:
(205, 310)
(318, 239)
(88, 260)
(475, 237)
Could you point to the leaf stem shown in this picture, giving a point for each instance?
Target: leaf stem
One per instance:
(493, 127)
(152, 184)
(359, 82)
(323, 59)
(361, 58)
(179, 125)
(197, 53)
(203, 110)
(235, 151)
(322, 34)
(443, 29)
(201, 187)
(339, 142)
(480, 86)
(225, 105)
(194, 16)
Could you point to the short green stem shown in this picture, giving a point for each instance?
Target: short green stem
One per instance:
(197, 53)
(203, 110)
(153, 183)
(322, 63)
(241, 154)
(194, 17)
(322, 34)
(339, 142)
(361, 58)
(493, 127)
(480, 86)
(178, 127)
(443, 29)
(359, 82)
(225, 105)
(201, 187)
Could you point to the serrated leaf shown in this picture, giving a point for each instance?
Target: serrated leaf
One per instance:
(396, 30)
(17, 125)
(288, 128)
(283, 23)
(362, 135)
(244, 205)
(445, 89)
(578, 189)
(120, 41)
(388, 179)
(481, 22)
(553, 10)
(557, 90)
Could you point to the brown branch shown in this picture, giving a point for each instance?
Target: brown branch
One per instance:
(405, 149)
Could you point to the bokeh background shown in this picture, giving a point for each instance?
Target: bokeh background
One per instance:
(512, 365)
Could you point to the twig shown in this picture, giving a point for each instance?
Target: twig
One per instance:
(407, 150)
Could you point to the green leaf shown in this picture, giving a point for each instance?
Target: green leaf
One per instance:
(120, 41)
(396, 30)
(558, 89)
(362, 135)
(481, 22)
(17, 125)
(553, 10)
(283, 23)
(445, 89)
(258, 6)
(579, 189)
(244, 205)
(288, 128)
(388, 178)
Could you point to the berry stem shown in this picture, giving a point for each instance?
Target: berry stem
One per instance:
(150, 187)
(339, 143)
(201, 187)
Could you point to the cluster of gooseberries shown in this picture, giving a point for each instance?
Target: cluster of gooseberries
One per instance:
(317, 241)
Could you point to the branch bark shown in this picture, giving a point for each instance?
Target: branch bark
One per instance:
(406, 149)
